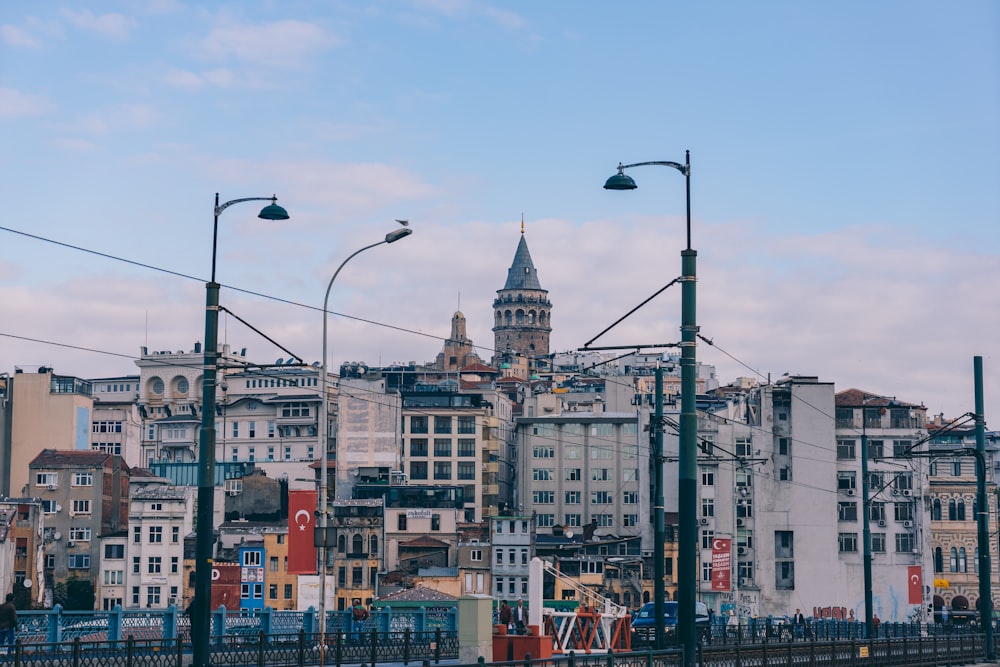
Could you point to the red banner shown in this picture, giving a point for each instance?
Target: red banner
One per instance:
(722, 563)
(301, 524)
(915, 585)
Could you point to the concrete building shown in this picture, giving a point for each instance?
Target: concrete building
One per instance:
(368, 435)
(580, 468)
(116, 424)
(357, 559)
(22, 550)
(953, 516)
(512, 542)
(47, 411)
(84, 495)
(160, 517)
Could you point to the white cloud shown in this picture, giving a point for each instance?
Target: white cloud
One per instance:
(464, 8)
(117, 118)
(280, 44)
(113, 25)
(15, 104)
(16, 37)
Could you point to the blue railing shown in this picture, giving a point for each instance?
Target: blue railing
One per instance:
(56, 625)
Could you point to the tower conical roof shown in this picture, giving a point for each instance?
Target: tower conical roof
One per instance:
(522, 274)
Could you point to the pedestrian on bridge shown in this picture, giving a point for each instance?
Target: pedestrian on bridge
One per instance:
(8, 622)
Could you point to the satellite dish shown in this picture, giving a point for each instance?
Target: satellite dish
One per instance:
(279, 361)
(57, 536)
(569, 534)
(26, 583)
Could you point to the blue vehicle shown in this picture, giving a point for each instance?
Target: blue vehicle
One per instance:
(644, 628)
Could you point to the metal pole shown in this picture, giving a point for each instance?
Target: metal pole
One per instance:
(982, 517)
(866, 532)
(658, 527)
(201, 616)
(687, 488)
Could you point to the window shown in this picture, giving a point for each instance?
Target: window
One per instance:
(418, 424)
(79, 534)
(708, 478)
(272, 591)
(288, 591)
(136, 563)
(79, 561)
(573, 520)
(442, 470)
(442, 424)
(153, 596)
(114, 577)
(175, 563)
(905, 544)
(252, 429)
(630, 475)
(878, 543)
(49, 506)
(544, 474)
(848, 542)
(83, 479)
(630, 497)
(251, 559)
(572, 497)
(902, 511)
(135, 596)
(341, 576)
(466, 470)
(706, 538)
(401, 521)
(418, 446)
(81, 506)
(154, 566)
(175, 534)
(600, 475)
(846, 481)
(845, 450)
(744, 447)
(466, 447)
(46, 479)
(847, 511)
(114, 551)
(600, 497)
(601, 453)
(467, 424)
(708, 507)
(573, 475)
(236, 429)
(295, 410)
(901, 447)
(543, 452)
(156, 534)
(544, 497)
(784, 575)
(545, 520)
(418, 469)
(603, 520)
(442, 446)
(630, 520)
(876, 449)
(476, 555)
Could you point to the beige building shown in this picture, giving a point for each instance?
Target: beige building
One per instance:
(48, 411)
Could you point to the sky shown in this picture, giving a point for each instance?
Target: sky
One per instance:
(845, 185)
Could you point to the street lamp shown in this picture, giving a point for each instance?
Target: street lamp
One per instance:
(324, 435)
(201, 613)
(687, 490)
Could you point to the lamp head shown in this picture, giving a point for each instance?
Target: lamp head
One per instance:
(397, 234)
(273, 212)
(620, 181)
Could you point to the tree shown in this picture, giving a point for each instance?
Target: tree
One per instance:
(74, 594)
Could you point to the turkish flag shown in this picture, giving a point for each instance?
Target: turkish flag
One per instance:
(301, 523)
(915, 585)
(722, 562)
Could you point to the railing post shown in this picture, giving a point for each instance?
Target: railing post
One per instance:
(812, 651)
(76, 652)
(339, 651)
(17, 653)
(55, 624)
(260, 648)
(130, 651)
(266, 621)
(115, 624)
(437, 646)
(180, 651)
(374, 646)
(302, 648)
(406, 646)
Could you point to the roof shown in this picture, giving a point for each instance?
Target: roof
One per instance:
(417, 594)
(522, 273)
(857, 398)
(66, 458)
(477, 368)
(425, 541)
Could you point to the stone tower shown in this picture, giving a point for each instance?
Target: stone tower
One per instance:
(522, 319)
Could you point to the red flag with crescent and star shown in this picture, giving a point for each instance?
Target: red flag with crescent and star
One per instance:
(301, 523)
(915, 585)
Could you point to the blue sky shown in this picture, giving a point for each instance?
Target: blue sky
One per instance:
(844, 182)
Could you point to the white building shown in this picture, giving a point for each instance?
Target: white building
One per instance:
(160, 516)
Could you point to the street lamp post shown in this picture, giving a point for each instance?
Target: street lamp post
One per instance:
(866, 527)
(687, 573)
(201, 612)
(324, 437)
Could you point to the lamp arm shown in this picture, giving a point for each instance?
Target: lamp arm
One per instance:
(222, 207)
(684, 169)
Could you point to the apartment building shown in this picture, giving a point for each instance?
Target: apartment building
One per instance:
(357, 558)
(84, 495)
(116, 424)
(160, 517)
(512, 543)
(22, 550)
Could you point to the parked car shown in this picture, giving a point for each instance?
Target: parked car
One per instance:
(644, 625)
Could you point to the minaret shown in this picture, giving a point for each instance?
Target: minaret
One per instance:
(521, 318)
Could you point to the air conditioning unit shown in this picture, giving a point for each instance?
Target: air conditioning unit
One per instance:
(742, 581)
(850, 492)
(741, 550)
(881, 523)
(70, 544)
(907, 492)
(740, 522)
(704, 522)
(647, 553)
(895, 492)
(51, 487)
(907, 524)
